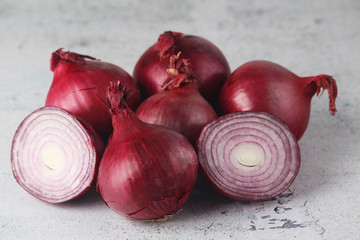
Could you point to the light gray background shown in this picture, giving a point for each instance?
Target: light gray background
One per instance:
(307, 37)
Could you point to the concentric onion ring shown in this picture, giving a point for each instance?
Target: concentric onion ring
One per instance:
(249, 156)
(54, 155)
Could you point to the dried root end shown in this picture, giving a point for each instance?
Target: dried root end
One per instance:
(180, 71)
(117, 95)
(164, 218)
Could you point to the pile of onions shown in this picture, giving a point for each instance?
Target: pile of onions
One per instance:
(147, 171)
(79, 86)
(268, 87)
(150, 165)
(208, 63)
(179, 106)
(54, 155)
(249, 156)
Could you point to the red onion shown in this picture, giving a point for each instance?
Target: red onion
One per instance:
(249, 156)
(80, 85)
(268, 87)
(179, 106)
(209, 64)
(147, 171)
(54, 155)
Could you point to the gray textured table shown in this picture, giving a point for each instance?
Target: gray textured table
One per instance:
(308, 37)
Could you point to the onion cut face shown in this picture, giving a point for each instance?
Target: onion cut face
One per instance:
(54, 155)
(249, 156)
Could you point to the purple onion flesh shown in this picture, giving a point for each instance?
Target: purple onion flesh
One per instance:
(249, 156)
(54, 155)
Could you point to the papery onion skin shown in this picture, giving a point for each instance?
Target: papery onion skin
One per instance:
(268, 87)
(147, 171)
(29, 166)
(179, 106)
(208, 63)
(79, 86)
(254, 183)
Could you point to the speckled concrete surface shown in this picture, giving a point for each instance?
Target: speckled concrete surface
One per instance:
(308, 37)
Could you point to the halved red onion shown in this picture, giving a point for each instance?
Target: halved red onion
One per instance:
(249, 156)
(54, 155)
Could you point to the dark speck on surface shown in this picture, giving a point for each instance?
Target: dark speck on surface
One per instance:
(252, 228)
(225, 212)
(318, 20)
(84, 43)
(282, 195)
(281, 209)
(288, 224)
(251, 216)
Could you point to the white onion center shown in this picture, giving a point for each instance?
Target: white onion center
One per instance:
(53, 156)
(247, 154)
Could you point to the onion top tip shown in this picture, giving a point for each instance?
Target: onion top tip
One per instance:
(325, 82)
(59, 55)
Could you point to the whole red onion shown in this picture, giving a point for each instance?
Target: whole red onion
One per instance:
(55, 155)
(268, 87)
(209, 64)
(179, 106)
(80, 85)
(147, 171)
